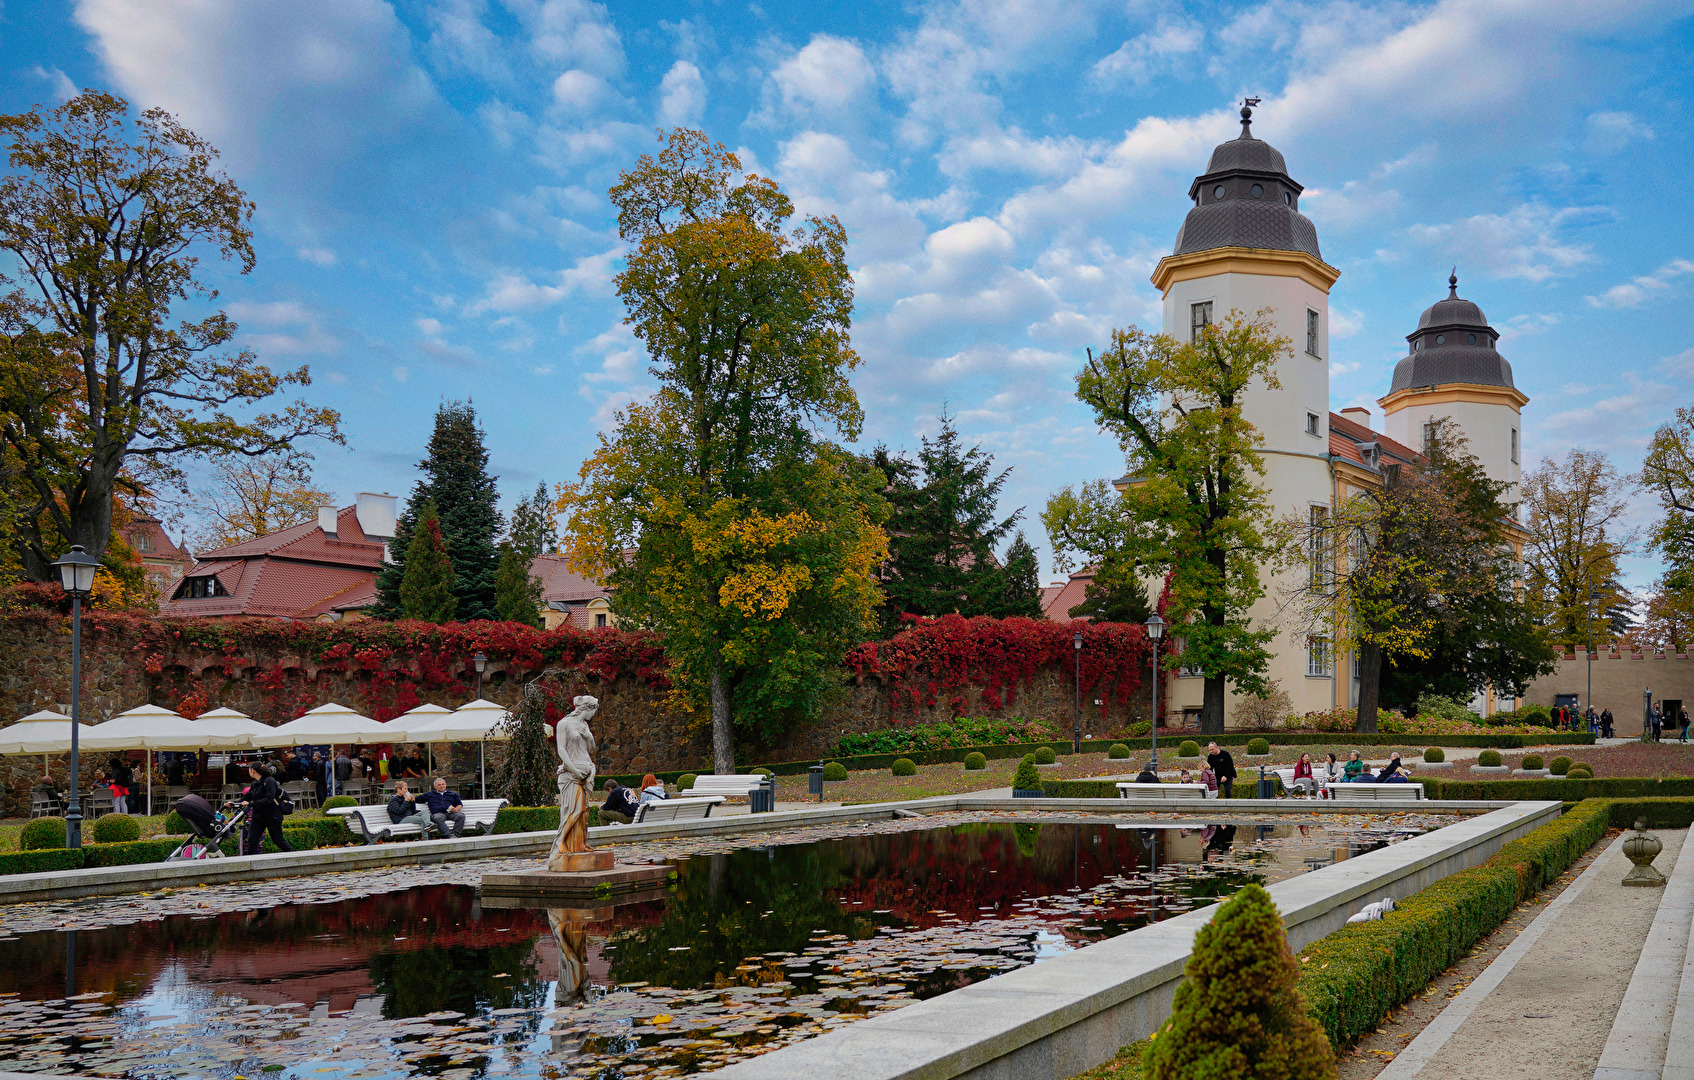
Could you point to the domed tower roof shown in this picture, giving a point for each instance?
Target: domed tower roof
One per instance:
(1452, 344)
(1245, 198)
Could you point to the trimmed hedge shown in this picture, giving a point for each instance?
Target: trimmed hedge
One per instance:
(685, 782)
(1353, 977)
(176, 824)
(42, 833)
(1489, 758)
(1188, 749)
(1531, 761)
(127, 853)
(516, 819)
(1258, 746)
(1559, 766)
(1247, 787)
(1551, 787)
(336, 802)
(43, 861)
(1117, 751)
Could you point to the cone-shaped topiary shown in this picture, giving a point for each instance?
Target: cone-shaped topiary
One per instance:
(1044, 755)
(1435, 753)
(1189, 748)
(976, 760)
(1238, 1014)
(1027, 779)
(1117, 751)
(1532, 761)
(905, 767)
(116, 829)
(1258, 746)
(1559, 766)
(42, 833)
(1488, 758)
(834, 770)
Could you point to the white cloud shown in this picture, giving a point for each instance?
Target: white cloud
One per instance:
(1525, 325)
(1526, 242)
(62, 87)
(1609, 132)
(830, 73)
(509, 292)
(455, 355)
(1148, 54)
(1344, 323)
(429, 327)
(578, 91)
(1634, 292)
(1013, 151)
(572, 33)
(317, 256)
(401, 374)
(682, 95)
(458, 38)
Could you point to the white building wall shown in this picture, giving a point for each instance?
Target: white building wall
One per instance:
(1488, 425)
(1297, 472)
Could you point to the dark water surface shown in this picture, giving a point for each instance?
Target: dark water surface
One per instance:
(749, 950)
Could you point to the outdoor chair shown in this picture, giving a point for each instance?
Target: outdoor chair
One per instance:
(99, 802)
(43, 804)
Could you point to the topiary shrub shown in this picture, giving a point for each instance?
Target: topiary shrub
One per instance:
(1239, 1012)
(834, 770)
(685, 782)
(1117, 751)
(1027, 779)
(1435, 754)
(905, 767)
(42, 833)
(1532, 761)
(759, 770)
(975, 760)
(1189, 748)
(1580, 772)
(1585, 766)
(1045, 756)
(1559, 766)
(1258, 747)
(116, 829)
(176, 825)
(335, 802)
(1488, 758)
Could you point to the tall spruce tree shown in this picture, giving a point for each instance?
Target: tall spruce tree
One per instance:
(517, 592)
(426, 592)
(456, 480)
(943, 533)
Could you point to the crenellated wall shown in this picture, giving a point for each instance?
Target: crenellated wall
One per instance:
(1619, 680)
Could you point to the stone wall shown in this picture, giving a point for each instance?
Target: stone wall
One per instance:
(1619, 682)
(124, 665)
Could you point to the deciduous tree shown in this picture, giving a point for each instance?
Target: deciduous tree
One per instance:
(1194, 506)
(754, 545)
(105, 218)
(1576, 511)
(241, 499)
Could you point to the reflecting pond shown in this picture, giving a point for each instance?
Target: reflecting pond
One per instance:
(744, 951)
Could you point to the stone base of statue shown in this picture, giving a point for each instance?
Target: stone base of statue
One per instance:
(601, 881)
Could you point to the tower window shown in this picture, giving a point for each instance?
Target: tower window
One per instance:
(1311, 423)
(1441, 339)
(1217, 192)
(1288, 197)
(1471, 338)
(1514, 446)
(1199, 317)
(1311, 332)
(1256, 190)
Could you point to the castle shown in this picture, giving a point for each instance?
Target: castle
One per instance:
(1244, 246)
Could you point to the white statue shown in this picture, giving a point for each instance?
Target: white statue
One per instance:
(576, 782)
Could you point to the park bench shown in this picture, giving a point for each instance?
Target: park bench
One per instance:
(371, 824)
(738, 784)
(1376, 792)
(1287, 777)
(675, 809)
(1128, 790)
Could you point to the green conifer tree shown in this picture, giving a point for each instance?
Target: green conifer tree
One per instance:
(456, 479)
(1238, 1015)
(426, 593)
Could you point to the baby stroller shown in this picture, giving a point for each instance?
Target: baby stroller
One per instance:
(210, 829)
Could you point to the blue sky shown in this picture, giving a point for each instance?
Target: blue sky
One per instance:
(431, 177)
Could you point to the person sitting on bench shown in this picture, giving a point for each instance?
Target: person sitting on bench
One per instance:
(445, 809)
(1147, 775)
(620, 805)
(1390, 771)
(403, 808)
(652, 790)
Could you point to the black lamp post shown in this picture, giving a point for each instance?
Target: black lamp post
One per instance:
(1155, 631)
(481, 663)
(76, 575)
(1076, 724)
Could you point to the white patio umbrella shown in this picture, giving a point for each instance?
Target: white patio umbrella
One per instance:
(45, 732)
(478, 722)
(419, 719)
(230, 728)
(147, 728)
(331, 723)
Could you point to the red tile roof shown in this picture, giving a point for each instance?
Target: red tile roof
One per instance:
(1057, 600)
(298, 573)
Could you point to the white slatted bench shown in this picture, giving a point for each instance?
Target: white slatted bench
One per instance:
(739, 784)
(1287, 776)
(675, 809)
(1128, 790)
(1376, 792)
(371, 824)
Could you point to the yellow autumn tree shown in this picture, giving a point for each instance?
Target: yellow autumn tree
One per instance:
(715, 511)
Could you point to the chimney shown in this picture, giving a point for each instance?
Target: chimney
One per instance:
(1358, 414)
(376, 515)
(326, 520)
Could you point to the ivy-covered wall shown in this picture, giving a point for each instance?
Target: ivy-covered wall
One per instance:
(274, 670)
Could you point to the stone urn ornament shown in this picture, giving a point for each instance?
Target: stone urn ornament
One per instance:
(1641, 849)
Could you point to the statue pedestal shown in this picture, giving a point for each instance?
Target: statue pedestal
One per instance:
(583, 861)
(612, 879)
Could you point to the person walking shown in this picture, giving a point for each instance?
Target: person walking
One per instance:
(1656, 720)
(1682, 721)
(263, 800)
(1605, 723)
(1224, 766)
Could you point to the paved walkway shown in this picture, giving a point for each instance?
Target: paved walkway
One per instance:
(1588, 990)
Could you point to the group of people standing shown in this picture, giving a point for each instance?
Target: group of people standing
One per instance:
(1566, 718)
(1658, 721)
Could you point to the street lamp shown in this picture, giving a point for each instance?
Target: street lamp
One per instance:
(1593, 595)
(1155, 631)
(76, 575)
(1076, 725)
(481, 663)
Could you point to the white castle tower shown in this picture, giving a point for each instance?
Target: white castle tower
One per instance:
(1245, 246)
(1451, 370)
